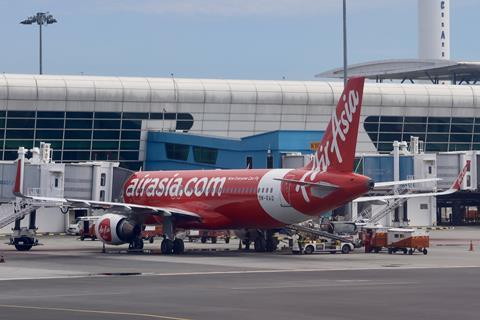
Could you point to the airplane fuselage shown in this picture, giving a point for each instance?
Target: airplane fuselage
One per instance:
(234, 199)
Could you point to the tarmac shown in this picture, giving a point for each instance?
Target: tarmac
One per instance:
(70, 279)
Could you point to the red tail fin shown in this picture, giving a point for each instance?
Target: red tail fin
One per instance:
(458, 182)
(17, 187)
(336, 151)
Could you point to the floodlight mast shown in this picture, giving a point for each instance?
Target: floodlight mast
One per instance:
(41, 18)
(345, 65)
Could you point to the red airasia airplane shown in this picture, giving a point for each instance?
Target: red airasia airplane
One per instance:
(258, 199)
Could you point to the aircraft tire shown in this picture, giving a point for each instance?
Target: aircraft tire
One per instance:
(260, 244)
(178, 246)
(167, 246)
(26, 244)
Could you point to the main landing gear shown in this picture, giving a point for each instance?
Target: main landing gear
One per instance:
(170, 244)
(265, 241)
(176, 246)
(136, 244)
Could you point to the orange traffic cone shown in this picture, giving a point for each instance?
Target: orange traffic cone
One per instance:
(2, 259)
(471, 246)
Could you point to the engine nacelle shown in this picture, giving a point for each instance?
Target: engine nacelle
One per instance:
(116, 229)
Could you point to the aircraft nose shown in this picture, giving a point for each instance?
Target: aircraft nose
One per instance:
(370, 184)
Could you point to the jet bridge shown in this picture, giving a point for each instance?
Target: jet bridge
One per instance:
(95, 180)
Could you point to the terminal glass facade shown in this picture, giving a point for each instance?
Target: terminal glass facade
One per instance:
(82, 136)
(438, 133)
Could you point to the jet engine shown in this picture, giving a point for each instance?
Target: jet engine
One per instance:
(116, 229)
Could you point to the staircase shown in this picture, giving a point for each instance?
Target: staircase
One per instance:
(390, 206)
(20, 210)
(385, 210)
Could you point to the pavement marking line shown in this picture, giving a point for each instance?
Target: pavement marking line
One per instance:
(324, 285)
(144, 315)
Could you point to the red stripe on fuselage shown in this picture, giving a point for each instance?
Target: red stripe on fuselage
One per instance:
(225, 199)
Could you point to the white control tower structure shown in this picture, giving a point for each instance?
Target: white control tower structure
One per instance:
(434, 29)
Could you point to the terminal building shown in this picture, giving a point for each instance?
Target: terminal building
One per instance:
(108, 118)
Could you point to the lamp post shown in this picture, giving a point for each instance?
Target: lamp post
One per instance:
(41, 18)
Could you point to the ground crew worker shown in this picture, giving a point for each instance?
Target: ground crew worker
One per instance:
(368, 241)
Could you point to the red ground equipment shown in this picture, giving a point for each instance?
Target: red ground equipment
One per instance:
(407, 241)
(212, 235)
(87, 230)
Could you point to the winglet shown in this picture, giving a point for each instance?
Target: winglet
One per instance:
(18, 185)
(458, 182)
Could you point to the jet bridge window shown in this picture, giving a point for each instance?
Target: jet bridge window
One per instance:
(103, 178)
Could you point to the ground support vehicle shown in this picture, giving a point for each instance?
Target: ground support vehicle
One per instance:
(407, 240)
(87, 230)
(374, 238)
(212, 235)
(151, 232)
(74, 228)
(322, 245)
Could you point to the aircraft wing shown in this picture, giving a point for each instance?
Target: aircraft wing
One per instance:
(403, 182)
(454, 188)
(404, 196)
(113, 207)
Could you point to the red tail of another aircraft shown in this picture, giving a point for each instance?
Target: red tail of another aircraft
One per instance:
(458, 182)
(336, 151)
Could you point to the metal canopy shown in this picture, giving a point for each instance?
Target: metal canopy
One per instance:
(412, 69)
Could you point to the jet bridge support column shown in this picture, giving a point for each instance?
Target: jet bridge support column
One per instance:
(33, 220)
(396, 177)
(17, 224)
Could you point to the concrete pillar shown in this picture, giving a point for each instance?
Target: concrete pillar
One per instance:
(32, 220)
(17, 224)
(457, 213)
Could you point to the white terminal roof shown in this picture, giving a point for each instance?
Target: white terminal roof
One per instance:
(131, 94)
(412, 69)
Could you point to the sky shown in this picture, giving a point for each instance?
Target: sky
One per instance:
(226, 39)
